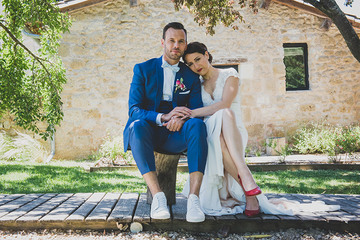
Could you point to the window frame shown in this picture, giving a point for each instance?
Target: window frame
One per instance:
(228, 65)
(306, 63)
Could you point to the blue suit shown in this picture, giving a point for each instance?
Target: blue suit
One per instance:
(141, 133)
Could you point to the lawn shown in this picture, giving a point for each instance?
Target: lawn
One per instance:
(70, 177)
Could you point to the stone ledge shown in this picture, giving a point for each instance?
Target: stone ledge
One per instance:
(252, 167)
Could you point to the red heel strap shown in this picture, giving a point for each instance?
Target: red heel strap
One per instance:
(252, 192)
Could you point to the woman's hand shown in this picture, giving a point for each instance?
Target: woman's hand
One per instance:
(193, 114)
(176, 112)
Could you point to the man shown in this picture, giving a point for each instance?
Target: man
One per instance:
(162, 92)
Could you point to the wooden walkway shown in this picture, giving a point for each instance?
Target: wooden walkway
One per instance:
(100, 211)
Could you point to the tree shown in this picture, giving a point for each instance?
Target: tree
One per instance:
(31, 82)
(211, 14)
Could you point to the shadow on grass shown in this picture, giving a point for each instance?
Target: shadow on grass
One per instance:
(57, 179)
(310, 182)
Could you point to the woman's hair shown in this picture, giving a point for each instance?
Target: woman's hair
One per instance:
(196, 47)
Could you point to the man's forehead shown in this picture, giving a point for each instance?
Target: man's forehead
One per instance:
(172, 32)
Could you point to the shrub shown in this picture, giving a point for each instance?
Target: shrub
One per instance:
(112, 149)
(348, 140)
(316, 138)
(325, 138)
(22, 147)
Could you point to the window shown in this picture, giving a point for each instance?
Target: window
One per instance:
(227, 66)
(296, 66)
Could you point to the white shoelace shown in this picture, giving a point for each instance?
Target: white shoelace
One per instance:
(162, 202)
(196, 203)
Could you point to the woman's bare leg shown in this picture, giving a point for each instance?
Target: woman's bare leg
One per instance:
(235, 146)
(231, 168)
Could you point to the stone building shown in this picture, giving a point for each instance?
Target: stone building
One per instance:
(109, 37)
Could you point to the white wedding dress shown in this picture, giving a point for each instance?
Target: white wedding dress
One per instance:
(221, 194)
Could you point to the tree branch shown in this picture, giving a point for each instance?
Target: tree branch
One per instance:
(38, 59)
(333, 11)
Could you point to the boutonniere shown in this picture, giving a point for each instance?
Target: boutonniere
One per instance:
(180, 85)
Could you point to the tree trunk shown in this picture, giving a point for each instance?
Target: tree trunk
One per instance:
(166, 168)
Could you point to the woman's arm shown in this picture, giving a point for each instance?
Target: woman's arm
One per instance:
(229, 93)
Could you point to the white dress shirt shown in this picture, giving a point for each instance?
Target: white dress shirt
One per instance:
(169, 79)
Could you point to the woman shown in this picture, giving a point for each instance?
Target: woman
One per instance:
(227, 135)
(228, 182)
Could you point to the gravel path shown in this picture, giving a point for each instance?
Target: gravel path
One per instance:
(290, 234)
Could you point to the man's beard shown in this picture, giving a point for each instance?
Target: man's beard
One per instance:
(173, 56)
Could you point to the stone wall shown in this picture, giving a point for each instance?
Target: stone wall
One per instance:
(108, 39)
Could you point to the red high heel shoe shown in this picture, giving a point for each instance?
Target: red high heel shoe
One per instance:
(252, 213)
(252, 192)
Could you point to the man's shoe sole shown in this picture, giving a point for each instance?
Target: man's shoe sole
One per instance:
(161, 216)
(195, 220)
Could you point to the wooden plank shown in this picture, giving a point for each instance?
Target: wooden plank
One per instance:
(179, 209)
(288, 218)
(2, 195)
(290, 221)
(307, 216)
(242, 216)
(84, 210)
(329, 216)
(42, 210)
(142, 212)
(269, 217)
(349, 209)
(9, 198)
(124, 208)
(103, 209)
(15, 204)
(347, 218)
(26, 208)
(350, 203)
(225, 218)
(66, 208)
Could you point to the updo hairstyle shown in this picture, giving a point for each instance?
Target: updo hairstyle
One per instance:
(196, 47)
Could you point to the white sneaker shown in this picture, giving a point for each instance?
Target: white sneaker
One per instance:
(194, 212)
(159, 208)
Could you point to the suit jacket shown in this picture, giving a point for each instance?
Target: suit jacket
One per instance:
(146, 91)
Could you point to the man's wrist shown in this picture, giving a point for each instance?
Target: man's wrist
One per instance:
(159, 121)
(164, 118)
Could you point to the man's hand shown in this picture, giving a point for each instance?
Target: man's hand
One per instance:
(182, 112)
(175, 124)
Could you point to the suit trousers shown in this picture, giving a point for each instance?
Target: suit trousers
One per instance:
(145, 138)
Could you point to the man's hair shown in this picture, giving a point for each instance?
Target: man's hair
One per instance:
(174, 25)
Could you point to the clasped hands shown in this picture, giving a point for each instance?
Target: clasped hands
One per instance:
(175, 119)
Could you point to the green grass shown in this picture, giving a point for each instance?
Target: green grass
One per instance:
(310, 181)
(70, 177)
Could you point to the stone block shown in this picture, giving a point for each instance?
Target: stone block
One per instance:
(75, 64)
(307, 108)
(278, 144)
(93, 113)
(256, 130)
(64, 50)
(279, 69)
(246, 71)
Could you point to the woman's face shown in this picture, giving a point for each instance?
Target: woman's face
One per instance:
(198, 63)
